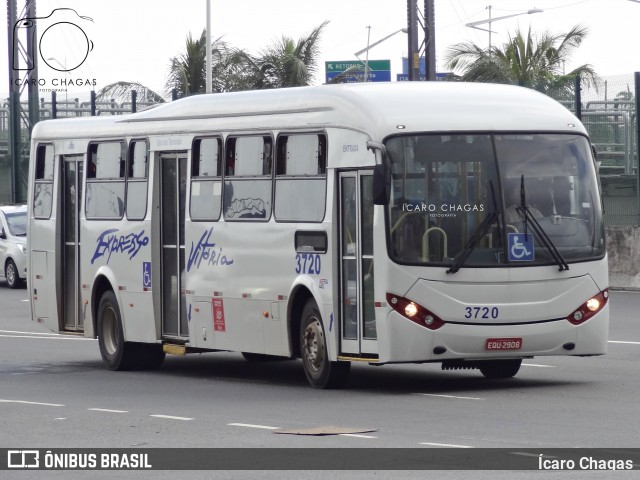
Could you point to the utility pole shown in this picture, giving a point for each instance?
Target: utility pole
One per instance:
(209, 73)
(366, 62)
(413, 50)
(430, 39)
(23, 70)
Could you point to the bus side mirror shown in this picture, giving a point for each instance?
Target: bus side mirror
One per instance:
(381, 184)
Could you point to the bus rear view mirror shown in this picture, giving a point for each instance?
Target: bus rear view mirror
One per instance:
(381, 184)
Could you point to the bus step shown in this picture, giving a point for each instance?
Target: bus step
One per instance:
(173, 349)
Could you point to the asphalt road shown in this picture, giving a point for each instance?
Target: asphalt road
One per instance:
(55, 393)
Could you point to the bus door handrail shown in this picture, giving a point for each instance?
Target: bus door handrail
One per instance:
(425, 242)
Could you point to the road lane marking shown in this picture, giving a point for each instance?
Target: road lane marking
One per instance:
(171, 417)
(25, 300)
(248, 425)
(61, 337)
(448, 396)
(30, 333)
(446, 445)
(356, 435)
(107, 410)
(537, 365)
(623, 342)
(24, 402)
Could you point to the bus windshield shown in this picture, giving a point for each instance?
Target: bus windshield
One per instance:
(444, 186)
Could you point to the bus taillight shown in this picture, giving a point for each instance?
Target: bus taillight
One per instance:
(414, 312)
(589, 308)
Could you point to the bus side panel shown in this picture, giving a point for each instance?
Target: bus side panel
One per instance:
(42, 274)
(120, 251)
(237, 267)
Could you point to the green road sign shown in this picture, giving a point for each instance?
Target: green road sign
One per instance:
(341, 66)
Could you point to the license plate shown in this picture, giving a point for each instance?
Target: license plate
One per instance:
(504, 344)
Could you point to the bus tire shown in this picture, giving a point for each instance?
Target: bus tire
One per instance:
(495, 369)
(116, 353)
(320, 372)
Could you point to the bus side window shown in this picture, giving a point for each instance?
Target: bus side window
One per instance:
(43, 188)
(301, 173)
(105, 192)
(206, 179)
(137, 174)
(248, 183)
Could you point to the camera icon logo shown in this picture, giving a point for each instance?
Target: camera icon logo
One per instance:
(63, 44)
(23, 458)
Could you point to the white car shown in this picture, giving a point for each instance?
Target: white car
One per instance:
(13, 245)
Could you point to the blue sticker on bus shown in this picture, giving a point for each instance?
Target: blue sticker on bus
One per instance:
(109, 242)
(146, 274)
(206, 250)
(521, 247)
(308, 263)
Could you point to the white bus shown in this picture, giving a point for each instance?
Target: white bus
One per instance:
(381, 223)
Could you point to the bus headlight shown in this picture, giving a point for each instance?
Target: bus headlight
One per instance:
(411, 310)
(414, 312)
(589, 308)
(593, 304)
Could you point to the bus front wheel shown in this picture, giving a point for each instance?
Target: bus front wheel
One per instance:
(116, 353)
(320, 372)
(500, 368)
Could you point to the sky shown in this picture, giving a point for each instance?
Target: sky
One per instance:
(133, 40)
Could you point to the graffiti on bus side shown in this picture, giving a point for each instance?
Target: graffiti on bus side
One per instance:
(109, 242)
(206, 251)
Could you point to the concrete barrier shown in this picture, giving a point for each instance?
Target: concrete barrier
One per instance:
(623, 248)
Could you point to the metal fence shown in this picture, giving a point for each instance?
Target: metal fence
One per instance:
(609, 112)
(51, 108)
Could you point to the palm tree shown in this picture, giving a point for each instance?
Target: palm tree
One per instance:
(528, 61)
(287, 63)
(187, 70)
(232, 69)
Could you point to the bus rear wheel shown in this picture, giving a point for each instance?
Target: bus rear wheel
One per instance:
(499, 368)
(116, 353)
(320, 372)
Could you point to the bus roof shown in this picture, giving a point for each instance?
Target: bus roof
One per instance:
(375, 108)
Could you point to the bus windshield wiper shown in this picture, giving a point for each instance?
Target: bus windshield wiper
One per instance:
(480, 232)
(524, 211)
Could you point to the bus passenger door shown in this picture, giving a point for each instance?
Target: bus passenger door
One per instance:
(173, 185)
(71, 194)
(357, 315)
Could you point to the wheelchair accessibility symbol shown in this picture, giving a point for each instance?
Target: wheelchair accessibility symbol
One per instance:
(521, 247)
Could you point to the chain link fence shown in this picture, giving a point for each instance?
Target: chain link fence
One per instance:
(608, 111)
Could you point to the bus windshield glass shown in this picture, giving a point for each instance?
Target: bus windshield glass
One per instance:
(444, 186)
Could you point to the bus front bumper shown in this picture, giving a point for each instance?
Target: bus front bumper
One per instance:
(405, 341)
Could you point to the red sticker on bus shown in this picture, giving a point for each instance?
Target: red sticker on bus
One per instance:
(218, 315)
